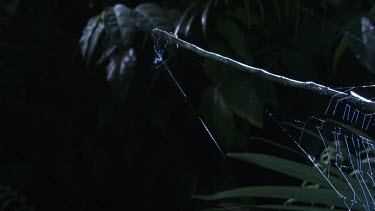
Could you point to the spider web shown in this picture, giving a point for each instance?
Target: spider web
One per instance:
(348, 151)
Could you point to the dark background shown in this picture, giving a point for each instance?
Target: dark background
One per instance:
(69, 141)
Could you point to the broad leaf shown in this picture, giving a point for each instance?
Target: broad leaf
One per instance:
(243, 101)
(309, 137)
(149, 16)
(305, 131)
(204, 17)
(291, 168)
(120, 71)
(352, 129)
(119, 25)
(296, 207)
(339, 52)
(324, 196)
(9, 7)
(280, 146)
(237, 91)
(362, 41)
(217, 115)
(233, 34)
(91, 35)
(107, 54)
(86, 36)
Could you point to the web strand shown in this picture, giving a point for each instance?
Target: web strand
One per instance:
(159, 58)
(347, 154)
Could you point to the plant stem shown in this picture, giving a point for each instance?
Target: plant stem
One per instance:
(309, 85)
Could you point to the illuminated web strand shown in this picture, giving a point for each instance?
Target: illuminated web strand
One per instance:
(364, 196)
(157, 60)
(350, 150)
(163, 62)
(361, 141)
(355, 87)
(349, 115)
(319, 128)
(369, 171)
(309, 85)
(313, 160)
(366, 205)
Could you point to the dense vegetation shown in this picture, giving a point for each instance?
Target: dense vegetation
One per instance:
(89, 122)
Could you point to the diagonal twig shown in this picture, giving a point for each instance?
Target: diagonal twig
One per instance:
(351, 97)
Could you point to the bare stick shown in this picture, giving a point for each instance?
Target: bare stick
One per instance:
(352, 97)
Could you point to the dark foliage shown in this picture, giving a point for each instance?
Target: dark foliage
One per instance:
(88, 123)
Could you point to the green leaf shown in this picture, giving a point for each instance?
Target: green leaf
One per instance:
(204, 17)
(238, 92)
(189, 22)
(8, 8)
(271, 207)
(184, 15)
(369, 160)
(352, 129)
(309, 137)
(339, 52)
(324, 196)
(87, 32)
(295, 207)
(119, 25)
(345, 155)
(308, 132)
(120, 71)
(314, 134)
(107, 54)
(149, 16)
(94, 40)
(281, 146)
(217, 115)
(90, 37)
(293, 169)
(362, 41)
(243, 100)
(233, 34)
